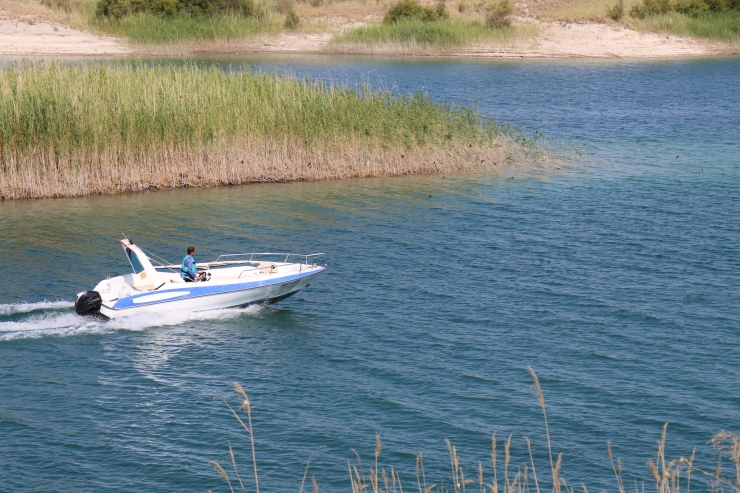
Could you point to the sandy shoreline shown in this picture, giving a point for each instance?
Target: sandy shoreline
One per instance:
(31, 37)
(34, 37)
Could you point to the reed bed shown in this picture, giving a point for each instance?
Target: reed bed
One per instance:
(416, 37)
(77, 130)
(502, 475)
(150, 29)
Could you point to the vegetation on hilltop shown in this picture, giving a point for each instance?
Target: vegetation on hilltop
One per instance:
(171, 8)
(718, 20)
(411, 28)
(406, 10)
(694, 8)
(211, 25)
(497, 14)
(174, 21)
(716, 26)
(153, 29)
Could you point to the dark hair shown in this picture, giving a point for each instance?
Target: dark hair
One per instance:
(191, 250)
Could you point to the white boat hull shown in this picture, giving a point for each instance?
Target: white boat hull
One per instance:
(229, 281)
(192, 297)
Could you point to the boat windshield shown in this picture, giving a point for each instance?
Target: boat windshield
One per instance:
(134, 261)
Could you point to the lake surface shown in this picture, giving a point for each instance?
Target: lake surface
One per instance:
(619, 283)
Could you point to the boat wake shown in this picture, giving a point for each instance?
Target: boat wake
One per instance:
(58, 318)
(32, 307)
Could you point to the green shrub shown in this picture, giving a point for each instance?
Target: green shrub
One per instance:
(693, 8)
(169, 8)
(650, 7)
(415, 36)
(616, 12)
(57, 4)
(156, 29)
(291, 19)
(411, 9)
(441, 10)
(497, 15)
(165, 8)
(112, 8)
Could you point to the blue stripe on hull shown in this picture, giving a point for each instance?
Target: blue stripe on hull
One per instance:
(198, 290)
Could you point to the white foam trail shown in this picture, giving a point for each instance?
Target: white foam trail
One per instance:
(58, 324)
(30, 307)
(139, 322)
(62, 322)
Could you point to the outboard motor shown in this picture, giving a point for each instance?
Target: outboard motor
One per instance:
(88, 303)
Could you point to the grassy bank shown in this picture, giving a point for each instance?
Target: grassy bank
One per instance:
(720, 26)
(419, 37)
(146, 28)
(70, 131)
(152, 29)
(464, 25)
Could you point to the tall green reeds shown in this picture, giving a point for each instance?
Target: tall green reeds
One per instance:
(66, 109)
(418, 37)
(147, 28)
(73, 130)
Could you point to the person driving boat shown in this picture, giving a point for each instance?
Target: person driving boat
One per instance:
(188, 271)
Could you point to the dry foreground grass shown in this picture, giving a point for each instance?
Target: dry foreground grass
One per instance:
(541, 29)
(105, 128)
(504, 476)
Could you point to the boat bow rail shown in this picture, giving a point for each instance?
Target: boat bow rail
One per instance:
(234, 259)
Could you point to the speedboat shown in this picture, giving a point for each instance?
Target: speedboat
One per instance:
(231, 280)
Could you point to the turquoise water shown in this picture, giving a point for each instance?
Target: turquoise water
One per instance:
(619, 283)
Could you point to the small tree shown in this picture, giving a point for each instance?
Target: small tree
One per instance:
(694, 8)
(291, 19)
(497, 14)
(441, 11)
(111, 8)
(171, 8)
(650, 7)
(411, 9)
(616, 12)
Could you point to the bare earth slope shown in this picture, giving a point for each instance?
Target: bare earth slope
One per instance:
(593, 40)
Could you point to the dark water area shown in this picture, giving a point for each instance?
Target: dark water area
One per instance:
(619, 283)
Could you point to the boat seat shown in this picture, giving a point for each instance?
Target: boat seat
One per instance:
(266, 267)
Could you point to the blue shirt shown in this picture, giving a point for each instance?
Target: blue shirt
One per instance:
(188, 267)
